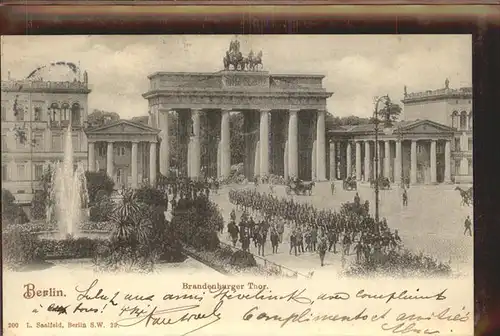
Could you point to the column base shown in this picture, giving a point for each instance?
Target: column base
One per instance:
(463, 179)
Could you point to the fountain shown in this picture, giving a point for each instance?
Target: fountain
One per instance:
(68, 196)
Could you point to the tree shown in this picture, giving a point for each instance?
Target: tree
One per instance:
(141, 120)
(96, 182)
(12, 213)
(41, 198)
(332, 122)
(389, 113)
(100, 117)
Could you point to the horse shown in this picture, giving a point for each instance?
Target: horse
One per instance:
(383, 183)
(308, 188)
(235, 59)
(467, 196)
(349, 183)
(253, 62)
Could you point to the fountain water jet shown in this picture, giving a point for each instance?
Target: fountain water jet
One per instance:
(68, 192)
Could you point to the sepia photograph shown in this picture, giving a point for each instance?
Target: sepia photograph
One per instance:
(280, 157)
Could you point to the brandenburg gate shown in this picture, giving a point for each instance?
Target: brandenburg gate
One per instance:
(283, 127)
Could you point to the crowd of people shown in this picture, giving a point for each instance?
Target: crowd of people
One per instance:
(265, 216)
(311, 229)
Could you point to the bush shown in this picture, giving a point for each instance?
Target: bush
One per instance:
(100, 210)
(7, 197)
(38, 205)
(12, 213)
(40, 199)
(20, 247)
(115, 256)
(150, 196)
(36, 226)
(140, 234)
(70, 247)
(197, 223)
(400, 264)
(96, 226)
(243, 259)
(97, 181)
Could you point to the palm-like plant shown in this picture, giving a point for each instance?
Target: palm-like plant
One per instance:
(130, 219)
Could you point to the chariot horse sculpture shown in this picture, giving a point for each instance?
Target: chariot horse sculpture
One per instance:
(254, 61)
(234, 57)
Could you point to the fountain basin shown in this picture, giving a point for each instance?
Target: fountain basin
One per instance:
(91, 234)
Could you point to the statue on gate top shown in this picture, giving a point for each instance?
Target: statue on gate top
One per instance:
(234, 46)
(235, 58)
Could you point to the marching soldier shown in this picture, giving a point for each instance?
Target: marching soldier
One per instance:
(468, 225)
(359, 251)
(293, 241)
(332, 240)
(322, 247)
(357, 200)
(346, 243)
(233, 231)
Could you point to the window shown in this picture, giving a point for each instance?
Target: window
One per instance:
(38, 171)
(470, 166)
(53, 112)
(4, 112)
(101, 150)
(5, 174)
(439, 148)
(454, 119)
(470, 144)
(56, 142)
(65, 111)
(419, 149)
(463, 120)
(75, 143)
(21, 171)
(38, 137)
(4, 142)
(470, 120)
(37, 114)
(20, 144)
(20, 115)
(457, 144)
(75, 114)
(120, 151)
(457, 167)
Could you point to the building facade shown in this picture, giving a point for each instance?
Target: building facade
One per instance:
(432, 144)
(284, 118)
(125, 150)
(35, 115)
(284, 121)
(453, 108)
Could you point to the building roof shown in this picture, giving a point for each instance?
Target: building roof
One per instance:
(123, 127)
(404, 126)
(439, 94)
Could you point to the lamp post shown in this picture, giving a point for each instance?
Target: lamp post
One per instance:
(376, 121)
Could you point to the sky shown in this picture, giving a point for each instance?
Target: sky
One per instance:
(356, 67)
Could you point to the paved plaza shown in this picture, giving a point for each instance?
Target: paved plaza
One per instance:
(432, 223)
